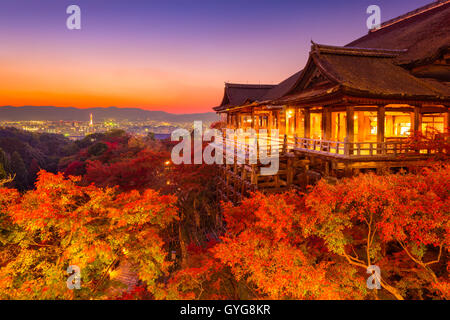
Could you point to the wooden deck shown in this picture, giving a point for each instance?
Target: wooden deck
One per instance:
(303, 161)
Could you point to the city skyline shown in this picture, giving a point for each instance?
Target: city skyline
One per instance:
(165, 56)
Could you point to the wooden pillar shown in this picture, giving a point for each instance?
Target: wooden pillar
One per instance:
(380, 129)
(417, 119)
(322, 123)
(253, 118)
(326, 123)
(254, 175)
(350, 129)
(243, 177)
(269, 122)
(307, 123)
(290, 172)
(278, 120)
(380, 123)
(350, 124)
(287, 122)
(448, 120)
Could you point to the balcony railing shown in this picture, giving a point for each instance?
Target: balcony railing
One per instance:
(400, 147)
(339, 149)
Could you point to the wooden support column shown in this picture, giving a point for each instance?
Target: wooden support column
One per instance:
(417, 119)
(269, 122)
(287, 122)
(278, 120)
(350, 129)
(448, 120)
(307, 123)
(326, 123)
(322, 123)
(244, 178)
(254, 175)
(296, 120)
(380, 123)
(381, 112)
(253, 118)
(290, 172)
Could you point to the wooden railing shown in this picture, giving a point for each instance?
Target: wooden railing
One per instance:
(340, 149)
(244, 149)
(360, 149)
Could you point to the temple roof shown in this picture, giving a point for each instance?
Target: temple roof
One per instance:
(363, 72)
(283, 87)
(424, 32)
(375, 65)
(238, 94)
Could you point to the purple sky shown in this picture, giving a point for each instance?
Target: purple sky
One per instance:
(166, 55)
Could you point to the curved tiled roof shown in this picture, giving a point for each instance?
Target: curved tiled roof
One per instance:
(372, 71)
(282, 88)
(366, 71)
(425, 32)
(236, 94)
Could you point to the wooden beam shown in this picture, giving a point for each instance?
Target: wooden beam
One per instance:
(326, 122)
(296, 120)
(350, 124)
(380, 123)
(270, 122)
(278, 120)
(448, 119)
(417, 119)
(307, 123)
(253, 118)
(287, 121)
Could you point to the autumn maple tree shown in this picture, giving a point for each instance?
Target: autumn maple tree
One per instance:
(265, 247)
(60, 223)
(399, 222)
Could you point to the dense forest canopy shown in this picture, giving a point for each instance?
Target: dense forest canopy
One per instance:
(114, 202)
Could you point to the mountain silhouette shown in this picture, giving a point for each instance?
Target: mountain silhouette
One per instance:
(49, 113)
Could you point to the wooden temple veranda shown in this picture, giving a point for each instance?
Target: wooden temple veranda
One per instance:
(351, 108)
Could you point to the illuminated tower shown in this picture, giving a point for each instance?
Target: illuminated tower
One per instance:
(91, 122)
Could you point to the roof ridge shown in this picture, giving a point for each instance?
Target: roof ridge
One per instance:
(410, 14)
(247, 85)
(357, 51)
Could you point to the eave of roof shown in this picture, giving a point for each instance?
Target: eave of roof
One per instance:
(425, 32)
(237, 94)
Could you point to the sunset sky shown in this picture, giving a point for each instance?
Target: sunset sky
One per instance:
(165, 55)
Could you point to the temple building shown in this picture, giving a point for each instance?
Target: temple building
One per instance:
(351, 108)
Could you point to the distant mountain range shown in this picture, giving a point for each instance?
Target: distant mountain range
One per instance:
(29, 113)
